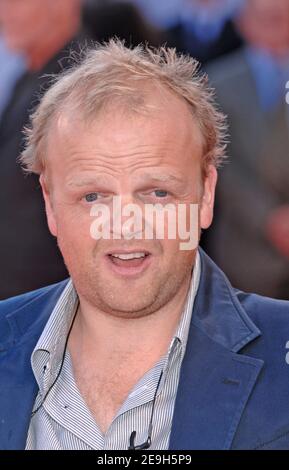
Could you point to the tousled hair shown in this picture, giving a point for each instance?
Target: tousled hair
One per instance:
(111, 72)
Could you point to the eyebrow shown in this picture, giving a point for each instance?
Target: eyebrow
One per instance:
(85, 182)
(160, 178)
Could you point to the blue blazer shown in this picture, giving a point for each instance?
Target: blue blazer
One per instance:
(234, 383)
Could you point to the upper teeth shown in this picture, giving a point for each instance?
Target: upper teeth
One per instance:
(128, 255)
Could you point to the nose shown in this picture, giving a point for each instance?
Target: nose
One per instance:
(126, 217)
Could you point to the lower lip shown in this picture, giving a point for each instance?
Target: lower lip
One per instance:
(129, 268)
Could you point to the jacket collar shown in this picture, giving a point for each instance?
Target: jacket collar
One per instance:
(215, 381)
(218, 313)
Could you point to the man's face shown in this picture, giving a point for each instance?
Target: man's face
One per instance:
(26, 22)
(145, 159)
(265, 24)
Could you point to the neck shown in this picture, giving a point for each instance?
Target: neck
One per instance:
(98, 334)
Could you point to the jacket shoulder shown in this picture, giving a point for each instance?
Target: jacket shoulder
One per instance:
(12, 304)
(264, 311)
(265, 421)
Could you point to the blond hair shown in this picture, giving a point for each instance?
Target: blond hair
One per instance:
(112, 71)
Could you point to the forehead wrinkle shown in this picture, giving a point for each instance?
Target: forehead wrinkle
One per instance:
(116, 163)
(83, 178)
(86, 180)
(139, 149)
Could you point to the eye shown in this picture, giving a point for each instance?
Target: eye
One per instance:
(160, 193)
(91, 197)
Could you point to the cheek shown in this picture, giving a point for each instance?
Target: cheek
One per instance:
(74, 228)
(171, 250)
(176, 260)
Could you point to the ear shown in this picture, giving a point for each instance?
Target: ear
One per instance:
(208, 197)
(51, 220)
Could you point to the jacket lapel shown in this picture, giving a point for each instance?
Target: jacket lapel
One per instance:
(215, 381)
(18, 388)
(17, 394)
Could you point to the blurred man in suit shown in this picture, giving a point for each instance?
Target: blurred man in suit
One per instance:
(104, 20)
(249, 238)
(205, 29)
(12, 66)
(162, 14)
(41, 30)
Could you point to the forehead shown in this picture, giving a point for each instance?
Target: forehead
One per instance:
(165, 132)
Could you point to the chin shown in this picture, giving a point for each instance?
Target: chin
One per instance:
(129, 315)
(128, 308)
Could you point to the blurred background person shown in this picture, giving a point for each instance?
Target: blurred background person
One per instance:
(201, 28)
(104, 19)
(40, 31)
(250, 236)
(162, 14)
(12, 66)
(205, 29)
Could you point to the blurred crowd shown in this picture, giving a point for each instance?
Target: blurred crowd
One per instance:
(243, 46)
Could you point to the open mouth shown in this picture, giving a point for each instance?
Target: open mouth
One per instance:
(129, 262)
(128, 259)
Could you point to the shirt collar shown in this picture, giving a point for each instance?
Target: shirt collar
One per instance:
(182, 330)
(48, 353)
